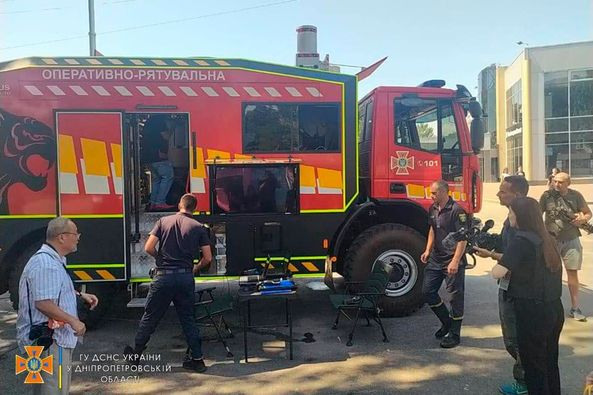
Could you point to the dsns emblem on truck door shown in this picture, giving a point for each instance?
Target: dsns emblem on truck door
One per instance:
(402, 162)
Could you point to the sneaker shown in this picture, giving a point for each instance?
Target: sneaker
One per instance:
(196, 365)
(450, 340)
(513, 389)
(577, 315)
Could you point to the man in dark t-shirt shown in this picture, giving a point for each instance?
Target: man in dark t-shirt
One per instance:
(180, 239)
(553, 203)
(444, 263)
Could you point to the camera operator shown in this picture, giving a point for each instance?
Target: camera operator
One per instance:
(445, 217)
(510, 188)
(567, 234)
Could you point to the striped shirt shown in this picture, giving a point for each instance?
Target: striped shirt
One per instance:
(46, 277)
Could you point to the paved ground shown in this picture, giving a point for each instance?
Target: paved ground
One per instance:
(412, 363)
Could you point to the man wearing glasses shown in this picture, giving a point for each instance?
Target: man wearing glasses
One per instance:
(47, 303)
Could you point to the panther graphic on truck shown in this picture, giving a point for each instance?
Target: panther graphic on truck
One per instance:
(27, 154)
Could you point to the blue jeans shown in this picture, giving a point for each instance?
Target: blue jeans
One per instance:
(162, 179)
(164, 289)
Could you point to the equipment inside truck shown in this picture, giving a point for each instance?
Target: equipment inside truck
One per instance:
(146, 130)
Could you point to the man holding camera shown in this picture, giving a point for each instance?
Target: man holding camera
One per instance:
(445, 217)
(563, 200)
(510, 188)
(47, 313)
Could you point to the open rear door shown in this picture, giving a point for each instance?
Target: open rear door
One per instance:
(91, 192)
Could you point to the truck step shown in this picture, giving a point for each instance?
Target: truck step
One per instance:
(137, 302)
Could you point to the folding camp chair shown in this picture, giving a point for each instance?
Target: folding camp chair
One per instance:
(210, 311)
(365, 302)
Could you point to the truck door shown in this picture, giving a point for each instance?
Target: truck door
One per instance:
(91, 192)
(425, 147)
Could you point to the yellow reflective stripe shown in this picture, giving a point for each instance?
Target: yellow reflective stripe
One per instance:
(82, 275)
(116, 154)
(415, 191)
(200, 170)
(436, 305)
(94, 265)
(310, 267)
(32, 216)
(307, 176)
(94, 153)
(240, 156)
(67, 155)
(292, 258)
(105, 274)
(212, 154)
(94, 216)
(292, 268)
(329, 178)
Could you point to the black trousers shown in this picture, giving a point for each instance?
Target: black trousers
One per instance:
(164, 289)
(434, 274)
(508, 323)
(538, 329)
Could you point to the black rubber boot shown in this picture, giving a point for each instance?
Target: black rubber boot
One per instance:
(453, 338)
(442, 314)
(132, 355)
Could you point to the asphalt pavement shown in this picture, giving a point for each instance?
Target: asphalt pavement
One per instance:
(411, 363)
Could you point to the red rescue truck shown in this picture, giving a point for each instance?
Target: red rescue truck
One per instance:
(283, 161)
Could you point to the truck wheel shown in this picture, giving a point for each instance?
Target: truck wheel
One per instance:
(401, 247)
(17, 271)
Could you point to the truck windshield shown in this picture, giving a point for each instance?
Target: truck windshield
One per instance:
(420, 122)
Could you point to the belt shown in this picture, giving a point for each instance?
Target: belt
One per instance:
(172, 271)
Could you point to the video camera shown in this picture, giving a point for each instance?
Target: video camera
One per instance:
(476, 236)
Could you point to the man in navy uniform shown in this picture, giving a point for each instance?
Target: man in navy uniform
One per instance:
(442, 263)
(180, 239)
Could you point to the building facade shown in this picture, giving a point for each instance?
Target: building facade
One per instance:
(543, 116)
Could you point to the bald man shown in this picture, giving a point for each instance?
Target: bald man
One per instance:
(567, 233)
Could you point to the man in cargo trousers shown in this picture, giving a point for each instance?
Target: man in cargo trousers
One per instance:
(180, 239)
(442, 263)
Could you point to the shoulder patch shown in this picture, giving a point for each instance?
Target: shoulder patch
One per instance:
(462, 218)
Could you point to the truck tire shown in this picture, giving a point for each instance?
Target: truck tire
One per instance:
(399, 246)
(17, 271)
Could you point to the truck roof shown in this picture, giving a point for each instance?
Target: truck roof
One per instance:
(156, 62)
(446, 92)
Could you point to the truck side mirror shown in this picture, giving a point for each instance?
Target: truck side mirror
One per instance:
(477, 134)
(476, 127)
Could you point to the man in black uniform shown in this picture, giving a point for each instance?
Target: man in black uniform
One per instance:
(510, 188)
(181, 238)
(445, 217)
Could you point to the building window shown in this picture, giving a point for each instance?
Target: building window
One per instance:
(569, 121)
(514, 152)
(287, 127)
(514, 107)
